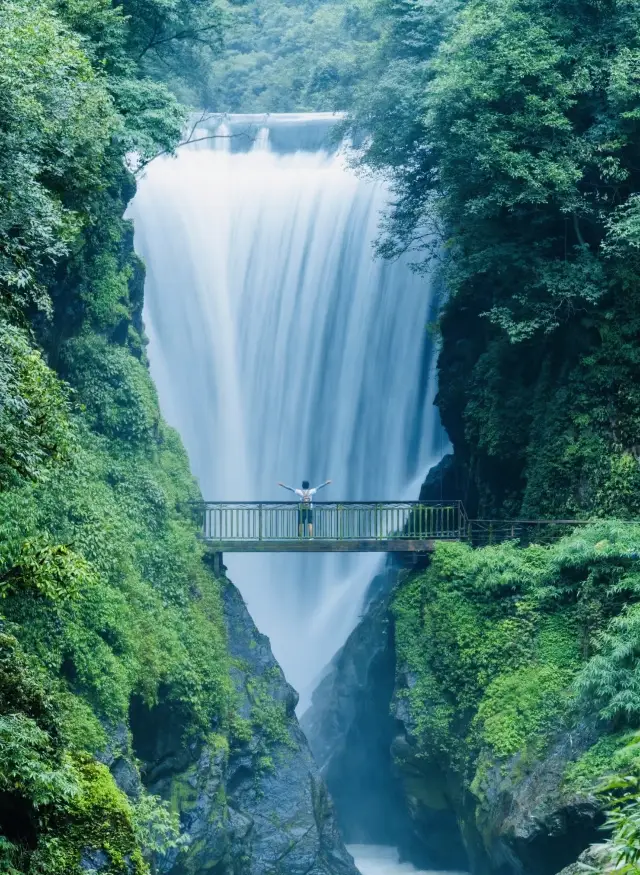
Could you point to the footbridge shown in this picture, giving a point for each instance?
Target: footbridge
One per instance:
(356, 527)
(348, 526)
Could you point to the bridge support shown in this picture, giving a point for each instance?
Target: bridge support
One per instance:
(218, 565)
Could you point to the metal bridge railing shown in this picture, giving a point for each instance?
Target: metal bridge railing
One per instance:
(332, 521)
(483, 533)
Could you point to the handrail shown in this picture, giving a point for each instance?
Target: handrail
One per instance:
(243, 521)
(296, 503)
(340, 524)
(541, 522)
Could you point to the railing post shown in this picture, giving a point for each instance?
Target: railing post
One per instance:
(260, 521)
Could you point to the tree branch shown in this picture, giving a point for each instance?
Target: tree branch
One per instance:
(190, 140)
(193, 35)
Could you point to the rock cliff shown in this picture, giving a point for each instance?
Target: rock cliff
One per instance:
(254, 806)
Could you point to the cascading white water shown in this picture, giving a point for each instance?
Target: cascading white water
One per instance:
(282, 350)
(385, 860)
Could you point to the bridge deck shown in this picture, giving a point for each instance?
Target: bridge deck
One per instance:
(323, 545)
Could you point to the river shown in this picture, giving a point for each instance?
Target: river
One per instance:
(384, 860)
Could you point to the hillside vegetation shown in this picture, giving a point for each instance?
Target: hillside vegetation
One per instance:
(291, 57)
(510, 133)
(510, 128)
(105, 600)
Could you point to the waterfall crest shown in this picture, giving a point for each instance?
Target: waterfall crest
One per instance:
(282, 350)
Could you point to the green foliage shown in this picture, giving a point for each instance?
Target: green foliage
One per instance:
(522, 704)
(611, 676)
(508, 141)
(79, 93)
(622, 852)
(501, 647)
(57, 123)
(509, 133)
(149, 615)
(174, 40)
(620, 793)
(67, 802)
(26, 766)
(284, 57)
(157, 828)
(130, 610)
(587, 772)
(34, 409)
(54, 572)
(268, 716)
(120, 400)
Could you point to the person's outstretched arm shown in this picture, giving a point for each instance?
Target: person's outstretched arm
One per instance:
(290, 488)
(322, 485)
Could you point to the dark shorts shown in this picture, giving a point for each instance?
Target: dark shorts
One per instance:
(306, 516)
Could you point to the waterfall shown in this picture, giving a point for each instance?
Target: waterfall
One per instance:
(282, 350)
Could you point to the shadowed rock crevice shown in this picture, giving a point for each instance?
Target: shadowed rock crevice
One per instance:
(352, 732)
(18, 820)
(157, 739)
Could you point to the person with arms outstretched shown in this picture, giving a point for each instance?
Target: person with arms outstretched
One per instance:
(306, 505)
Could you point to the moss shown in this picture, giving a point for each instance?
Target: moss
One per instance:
(586, 773)
(522, 707)
(558, 640)
(66, 803)
(268, 716)
(612, 755)
(184, 794)
(102, 818)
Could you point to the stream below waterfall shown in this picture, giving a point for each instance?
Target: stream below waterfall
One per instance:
(384, 860)
(283, 350)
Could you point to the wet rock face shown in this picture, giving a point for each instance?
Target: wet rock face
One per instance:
(93, 862)
(525, 821)
(595, 858)
(258, 807)
(531, 823)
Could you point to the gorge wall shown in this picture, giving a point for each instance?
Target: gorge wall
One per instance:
(482, 700)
